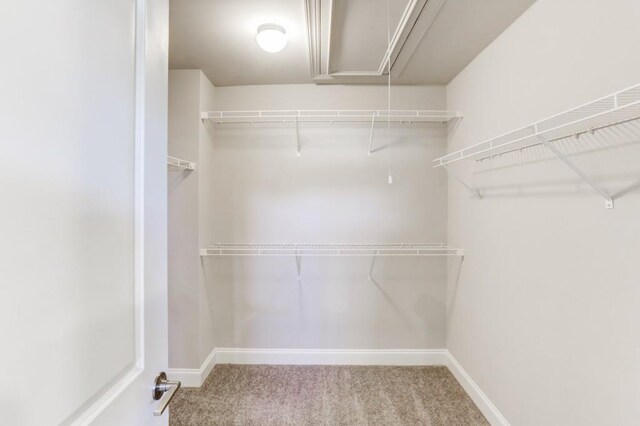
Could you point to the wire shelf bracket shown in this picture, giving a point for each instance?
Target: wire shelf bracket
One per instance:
(608, 111)
(608, 199)
(373, 123)
(373, 263)
(181, 164)
(297, 138)
(299, 267)
(474, 191)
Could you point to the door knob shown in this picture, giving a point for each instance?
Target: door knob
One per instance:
(163, 390)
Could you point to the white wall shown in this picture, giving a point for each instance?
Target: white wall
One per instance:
(249, 186)
(545, 313)
(319, 97)
(190, 327)
(184, 109)
(261, 192)
(206, 173)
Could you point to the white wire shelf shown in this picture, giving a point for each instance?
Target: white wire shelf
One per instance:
(297, 250)
(298, 117)
(611, 110)
(328, 116)
(181, 164)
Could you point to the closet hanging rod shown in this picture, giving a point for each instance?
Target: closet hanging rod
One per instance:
(256, 249)
(611, 110)
(328, 116)
(180, 163)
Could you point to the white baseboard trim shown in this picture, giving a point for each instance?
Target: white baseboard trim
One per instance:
(331, 356)
(194, 377)
(493, 415)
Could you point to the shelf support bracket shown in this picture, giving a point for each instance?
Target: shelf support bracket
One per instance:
(373, 262)
(297, 138)
(298, 266)
(476, 193)
(373, 122)
(608, 199)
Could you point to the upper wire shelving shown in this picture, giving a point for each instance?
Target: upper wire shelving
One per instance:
(260, 249)
(180, 163)
(617, 108)
(328, 116)
(296, 117)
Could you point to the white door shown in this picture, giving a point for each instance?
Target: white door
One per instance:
(83, 320)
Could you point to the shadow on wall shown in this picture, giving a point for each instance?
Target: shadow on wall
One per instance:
(176, 176)
(454, 272)
(259, 302)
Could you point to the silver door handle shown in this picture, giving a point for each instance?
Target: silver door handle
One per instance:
(163, 390)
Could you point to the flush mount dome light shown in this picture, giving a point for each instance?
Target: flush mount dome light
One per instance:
(271, 37)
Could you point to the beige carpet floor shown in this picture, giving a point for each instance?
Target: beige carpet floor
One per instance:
(325, 395)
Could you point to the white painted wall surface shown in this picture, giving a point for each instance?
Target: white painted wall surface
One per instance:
(183, 229)
(190, 325)
(206, 173)
(318, 97)
(545, 314)
(333, 192)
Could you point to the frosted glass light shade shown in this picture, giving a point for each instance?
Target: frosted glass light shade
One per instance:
(271, 37)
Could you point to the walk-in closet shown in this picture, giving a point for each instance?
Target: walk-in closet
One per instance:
(340, 240)
(320, 212)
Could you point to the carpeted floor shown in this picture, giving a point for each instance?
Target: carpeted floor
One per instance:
(325, 395)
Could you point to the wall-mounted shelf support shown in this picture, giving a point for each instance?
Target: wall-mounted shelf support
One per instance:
(608, 199)
(474, 191)
(373, 123)
(297, 138)
(181, 164)
(299, 266)
(373, 262)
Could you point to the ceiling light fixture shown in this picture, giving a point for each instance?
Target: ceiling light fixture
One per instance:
(271, 37)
